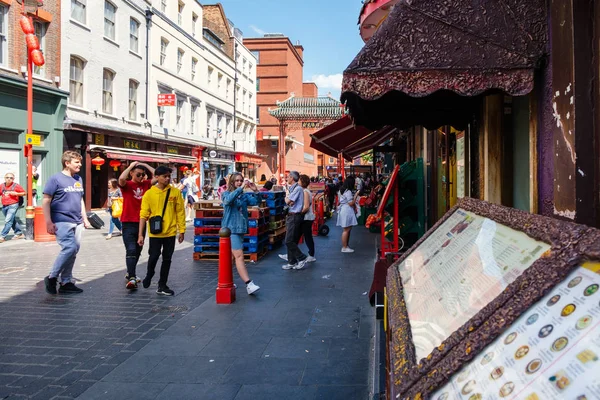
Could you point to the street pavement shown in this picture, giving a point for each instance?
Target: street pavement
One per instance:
(306, 334)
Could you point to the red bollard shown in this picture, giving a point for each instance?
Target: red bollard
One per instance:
(225, 288)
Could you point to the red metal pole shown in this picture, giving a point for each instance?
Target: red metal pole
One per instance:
(281, 151)
(396, 216)
(225, 289)
(29, 128)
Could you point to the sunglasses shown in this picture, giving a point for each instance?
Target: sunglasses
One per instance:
(9, 177)
(139, 175)
(239, 180)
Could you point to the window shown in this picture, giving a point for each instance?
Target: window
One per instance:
(110, 15)
(257, 115)
(161, 116)
(219, 132)
(210, 72)
(3, 35)
(257, 84)
(250, 104)
(78, 10)
(163, 6)
(194, 65)
(219, 80)
(244, 66)
(212, 38)
(256, 55)
(133, 87)
(193, 113)
(227, 88)
(76, 81)
(209, 118)
(107, 91)
(163, 50)
(179, 60)
(134, 31)
(249, 69)
(179, 112)
(180, 14)
(244, 102)
(40, 31)
(330, 160)
(194, 24)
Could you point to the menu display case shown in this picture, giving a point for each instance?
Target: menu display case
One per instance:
(469, 304)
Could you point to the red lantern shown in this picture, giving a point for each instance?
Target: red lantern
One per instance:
(26, 25)
(37, 57)
(98, 162)
(183, 168)
(115, 164)
(32, 42)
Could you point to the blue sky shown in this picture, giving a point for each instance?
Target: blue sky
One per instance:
(327, 29)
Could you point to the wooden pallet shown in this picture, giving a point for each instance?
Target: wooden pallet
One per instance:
(276, 225)
(215, 256)
(209, 213)
(280, 231)
(207, 204)
(273, 239)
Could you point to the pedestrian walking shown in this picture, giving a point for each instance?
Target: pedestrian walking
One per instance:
(347, 212)
(309, 218)
(235, 217)
(293, 222)
(115, 200)
(133, 190)
(191, 187)
(163, 207)
(66, 217)
(11, 193)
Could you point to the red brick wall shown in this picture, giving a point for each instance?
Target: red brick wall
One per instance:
(213, 19)
(17, 48)
(309, 89)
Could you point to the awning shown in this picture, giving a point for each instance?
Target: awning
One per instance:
(117, 155)
(367, 143)
(332, 139)
(429, 50)
(142, 155)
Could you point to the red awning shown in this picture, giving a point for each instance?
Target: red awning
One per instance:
(135, 157)
(332, 139)
(367, 143)
(182, 161)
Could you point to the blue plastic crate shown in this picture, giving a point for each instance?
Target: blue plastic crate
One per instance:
(208, 239)
(272, 195)
(275, 202)
(276, 210)
(212, 249)
(200, 222)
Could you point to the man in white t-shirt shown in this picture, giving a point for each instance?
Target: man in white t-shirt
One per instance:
(192, 194)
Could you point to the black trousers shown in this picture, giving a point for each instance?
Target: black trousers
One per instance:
(293, 223)
(132, 248)
(308, 237)
(166, 246)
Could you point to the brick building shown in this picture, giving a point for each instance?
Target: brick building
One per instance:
(49, 102)
(279, 78)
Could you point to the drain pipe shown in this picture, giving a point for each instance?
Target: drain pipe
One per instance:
(148, 24)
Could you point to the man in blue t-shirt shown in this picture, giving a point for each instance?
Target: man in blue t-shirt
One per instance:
(64, 212)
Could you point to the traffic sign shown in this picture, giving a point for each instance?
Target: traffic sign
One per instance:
(34, 140)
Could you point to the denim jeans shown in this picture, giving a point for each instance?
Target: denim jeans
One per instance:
(132, 248)
(114, 222)
(10, 220)
(167, 245)
(308, 237)
(68, 236)
(293, 223)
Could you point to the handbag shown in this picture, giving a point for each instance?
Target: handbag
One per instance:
(156, 222)
(116, 208)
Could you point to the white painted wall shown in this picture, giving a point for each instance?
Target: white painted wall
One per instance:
(87, 41)
(246, 106)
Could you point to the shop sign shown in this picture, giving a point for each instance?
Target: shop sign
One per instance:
(172, 150)
(310, 125)
(166, 99)
(131, 144)
(212, 154)
(99, 139)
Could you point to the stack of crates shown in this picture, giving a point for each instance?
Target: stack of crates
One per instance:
(275, 201)
(209, 215)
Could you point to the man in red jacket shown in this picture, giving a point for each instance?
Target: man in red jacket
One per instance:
(11, 191)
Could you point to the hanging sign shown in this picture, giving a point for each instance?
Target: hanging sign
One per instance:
(212, 154)
(166, 99)
(34, 140)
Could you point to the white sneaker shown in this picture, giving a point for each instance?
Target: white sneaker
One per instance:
(288, 266)
(347, 250)
(301, 264)
(108, 237)
(310, 259)
(251, 288)
(283, 256)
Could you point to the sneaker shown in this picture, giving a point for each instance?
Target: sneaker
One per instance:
(69, 288)
(2, 240)
(146, 282)
(165, 291)
(50, 285)
(252, 288)
(109, 236)
(310, 259)
(301, 264)
(138, 280)
(288, 266)
(132, 284)
(283, 256)
(19, 236)
(347, 250)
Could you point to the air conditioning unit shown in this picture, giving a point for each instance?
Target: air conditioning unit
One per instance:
(274, 143)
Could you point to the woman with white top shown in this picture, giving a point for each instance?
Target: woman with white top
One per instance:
(309, 218)
(347, 212)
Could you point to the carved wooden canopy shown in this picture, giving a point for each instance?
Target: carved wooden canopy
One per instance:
(464, 47)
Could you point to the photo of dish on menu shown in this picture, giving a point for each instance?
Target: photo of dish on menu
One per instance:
(461, 267)
(563, 349)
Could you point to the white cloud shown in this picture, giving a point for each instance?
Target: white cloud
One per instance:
(257, 30)
(333, 82)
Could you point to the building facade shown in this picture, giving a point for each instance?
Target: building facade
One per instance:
(49, 100)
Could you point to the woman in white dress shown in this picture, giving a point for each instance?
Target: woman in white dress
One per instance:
(347, 212)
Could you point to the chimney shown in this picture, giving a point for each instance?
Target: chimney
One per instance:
(299, 49)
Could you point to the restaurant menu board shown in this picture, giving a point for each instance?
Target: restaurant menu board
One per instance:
(461, 267)
(550, 352)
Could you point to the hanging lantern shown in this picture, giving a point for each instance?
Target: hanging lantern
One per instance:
(115, 164)
(98, 162)
(32, 42)
(37, 57)
(183, 168)
(26, 25)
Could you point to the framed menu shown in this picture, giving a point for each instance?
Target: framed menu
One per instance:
(477, 289)
(551, 352)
